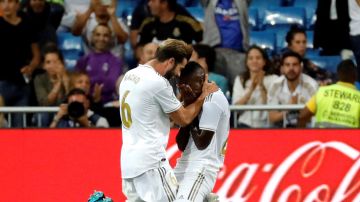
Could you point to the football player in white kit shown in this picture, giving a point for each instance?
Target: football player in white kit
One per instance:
(204, 141)
(147, 102)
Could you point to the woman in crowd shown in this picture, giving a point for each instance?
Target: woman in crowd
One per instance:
(250, 88)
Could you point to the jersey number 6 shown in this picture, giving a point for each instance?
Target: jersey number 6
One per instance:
(125, 108)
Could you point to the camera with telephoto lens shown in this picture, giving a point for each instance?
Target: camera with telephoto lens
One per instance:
(76, 109)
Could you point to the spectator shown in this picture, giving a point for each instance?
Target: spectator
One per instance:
(331, 32)
(166, 22)
(19, 56)
(45, 18)
(296, 40)
(293, 87)
(72, 7)
(147, 52)
(3, 122)
(252, 86)
(354, 11)
(52, 86)
(337, 105)
(100, 12)
(205, 56)
(76, 113)
(101, 65)
(226, 28)
(141, 12)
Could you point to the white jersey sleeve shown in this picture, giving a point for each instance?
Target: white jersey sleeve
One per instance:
(210, 116)
(167, 99)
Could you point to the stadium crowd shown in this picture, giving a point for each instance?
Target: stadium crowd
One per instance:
(73, 53)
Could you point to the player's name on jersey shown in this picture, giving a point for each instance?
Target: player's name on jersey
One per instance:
(132, 77)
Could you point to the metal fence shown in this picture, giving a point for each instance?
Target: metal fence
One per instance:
(37, 112)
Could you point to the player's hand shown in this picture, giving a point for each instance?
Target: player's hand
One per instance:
(187, 95)
(208, 87)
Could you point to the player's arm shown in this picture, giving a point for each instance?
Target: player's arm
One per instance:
(182, 137)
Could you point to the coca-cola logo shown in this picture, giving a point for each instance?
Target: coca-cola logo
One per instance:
(313, 172)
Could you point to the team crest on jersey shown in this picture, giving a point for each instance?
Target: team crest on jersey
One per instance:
(176, 32)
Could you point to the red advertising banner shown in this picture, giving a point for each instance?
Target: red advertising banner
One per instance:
(260, 165)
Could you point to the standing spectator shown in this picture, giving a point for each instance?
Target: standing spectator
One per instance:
(100, 64)
(166, 23)
(293, 87)
(337, 105)
(252, 86)
(226, 28)
(354, 10)
(205, 56)
(100, 12)
(45, 18)
(76, 113)
(331, 32)
(52, 86)
(19, 56)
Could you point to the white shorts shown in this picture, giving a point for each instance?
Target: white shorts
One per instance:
(194, 186)
(156, 185)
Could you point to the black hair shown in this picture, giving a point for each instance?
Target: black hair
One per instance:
(51, 47)
(189, 69)
(172, 4)
(346, 71)
(294, 29)
(207, 52)
(76, 91)
(291, 54)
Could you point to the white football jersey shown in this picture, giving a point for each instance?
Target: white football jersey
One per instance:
(215, 116)
(146, 99)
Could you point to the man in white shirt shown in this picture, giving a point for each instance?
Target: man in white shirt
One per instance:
(204, 141)
(293, 87)
(147, 102)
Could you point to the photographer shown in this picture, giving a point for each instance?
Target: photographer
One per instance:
(76, 113)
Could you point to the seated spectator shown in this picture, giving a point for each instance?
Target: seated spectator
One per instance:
(45, 18)
(19, 56)
(293, 87)
(101, 65)
(337, 105)
(51, 87)
(3, 122)
(252, 87)
(205, 56)
(166, 22)
(100, 12)
(296, 41)
(76, 113)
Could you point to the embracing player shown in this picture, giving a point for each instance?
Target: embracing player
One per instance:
(204, 141)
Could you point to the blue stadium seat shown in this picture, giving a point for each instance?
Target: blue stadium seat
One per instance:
(264, 39)
(310, 9)
(71, 47)
(197, 12)
(261, 5)
(276, 17)
(125, 8)
(326, 62)
(253, 19)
